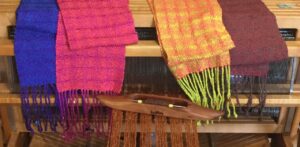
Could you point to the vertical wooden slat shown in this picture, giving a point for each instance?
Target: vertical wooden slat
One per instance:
(5, 123)
(295, 124)
(1, 134)
(283, 116)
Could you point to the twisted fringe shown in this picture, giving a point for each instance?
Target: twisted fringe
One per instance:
(38, 111)
(82, 114)
(242, 83)
(207, 89)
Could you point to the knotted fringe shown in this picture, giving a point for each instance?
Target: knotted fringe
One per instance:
(38, 111)
(210, 89)
(82, 114)
(246, 84)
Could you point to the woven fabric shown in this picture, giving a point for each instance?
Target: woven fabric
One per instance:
(93, 34)
(191, 31)
(90, 56)
(196, 47)
(34, 47)
(254, 31)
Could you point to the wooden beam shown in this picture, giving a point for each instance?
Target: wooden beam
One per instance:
(286, 17)
(273, 100)
(141, 49)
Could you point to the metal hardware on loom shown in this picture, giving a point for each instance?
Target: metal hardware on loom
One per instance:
(294, 62)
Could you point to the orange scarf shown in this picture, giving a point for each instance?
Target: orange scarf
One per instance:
(196, 47)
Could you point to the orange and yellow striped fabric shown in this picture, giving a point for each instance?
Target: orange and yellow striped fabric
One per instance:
(191, 34)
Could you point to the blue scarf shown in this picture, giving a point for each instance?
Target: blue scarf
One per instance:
(34, 43)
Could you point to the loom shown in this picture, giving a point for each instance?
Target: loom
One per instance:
(146, 72)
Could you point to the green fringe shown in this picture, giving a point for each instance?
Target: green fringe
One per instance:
(197, 87)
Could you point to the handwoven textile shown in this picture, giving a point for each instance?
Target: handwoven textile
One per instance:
(254, 30)
(34, 47)
(196, 47)
(90, 56)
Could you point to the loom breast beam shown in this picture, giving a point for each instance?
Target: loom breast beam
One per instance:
(159, 105)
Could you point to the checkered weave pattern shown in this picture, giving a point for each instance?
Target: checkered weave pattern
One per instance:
(194, 41)
(191, 30)
(91, 44)
(90, 55)
(34, 46)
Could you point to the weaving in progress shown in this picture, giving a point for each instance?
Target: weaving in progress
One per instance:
(75, 50)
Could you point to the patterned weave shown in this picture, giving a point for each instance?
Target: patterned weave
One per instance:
(254, 31)
(90, 55)
(34, 47)
(194, 40)
(191, 30)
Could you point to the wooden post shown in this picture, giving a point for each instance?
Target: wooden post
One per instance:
(295, 124)
(5, 123)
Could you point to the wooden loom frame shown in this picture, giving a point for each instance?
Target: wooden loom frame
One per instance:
(287, 18)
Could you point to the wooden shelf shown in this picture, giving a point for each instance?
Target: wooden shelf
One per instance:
(141, 49)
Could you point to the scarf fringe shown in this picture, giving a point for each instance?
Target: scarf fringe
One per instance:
(247, 83)
(82, 114)
(210, 89)
(38, 111)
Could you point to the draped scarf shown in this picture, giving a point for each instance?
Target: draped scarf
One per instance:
(34, 47)
(90, 58)
(195, 45)
(254, 30)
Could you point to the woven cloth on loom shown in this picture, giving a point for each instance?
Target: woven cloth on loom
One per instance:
(196, 47)
(255, 33)
(34, 47)
(90, 53)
